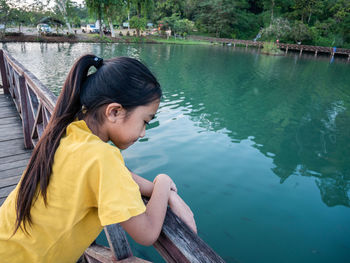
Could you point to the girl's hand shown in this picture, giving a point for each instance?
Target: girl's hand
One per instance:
(181, 209)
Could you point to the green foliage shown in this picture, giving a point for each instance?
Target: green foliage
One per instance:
(183, 26)
(138, 23)
(278, 29)
(217, 16)
(271, 49)
(300, 32)
(177, 25)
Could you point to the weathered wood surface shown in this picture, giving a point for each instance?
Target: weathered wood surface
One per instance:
(177, 243)
(13, 156)
(118, 242)
(101, 254)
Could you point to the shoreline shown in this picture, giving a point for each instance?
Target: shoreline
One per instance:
(97, 39)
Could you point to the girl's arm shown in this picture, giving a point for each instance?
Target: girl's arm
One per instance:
(146, 187)
(145, 228)
(177, 205)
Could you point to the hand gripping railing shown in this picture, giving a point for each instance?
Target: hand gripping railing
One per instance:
(35, 104)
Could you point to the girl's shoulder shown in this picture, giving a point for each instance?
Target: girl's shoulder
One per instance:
(82, 143)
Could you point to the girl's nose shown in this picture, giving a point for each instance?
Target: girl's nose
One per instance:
(143, 133)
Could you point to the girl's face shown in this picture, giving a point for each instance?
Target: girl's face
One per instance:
(128, 127)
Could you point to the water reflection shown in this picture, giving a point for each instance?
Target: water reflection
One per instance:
(298, 113)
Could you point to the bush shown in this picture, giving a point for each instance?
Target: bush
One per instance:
(278, 29)
(271, 49)
(183, 26)
(139, 23)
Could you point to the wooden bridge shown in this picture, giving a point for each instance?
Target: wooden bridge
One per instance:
(286, 47)
(25, 109)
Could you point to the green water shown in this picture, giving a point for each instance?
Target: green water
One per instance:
(259, 146)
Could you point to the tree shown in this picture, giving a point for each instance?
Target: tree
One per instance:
(143, 8)
(300, 32)
(4, 13)
(217, 16)
(113, 9)
(139, 23)
(64, 6)
(305, 8)
(279, 28)
(96, 7)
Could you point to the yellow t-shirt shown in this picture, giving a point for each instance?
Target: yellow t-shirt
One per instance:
(89, 187)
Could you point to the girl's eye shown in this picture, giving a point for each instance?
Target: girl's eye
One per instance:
(146, 123)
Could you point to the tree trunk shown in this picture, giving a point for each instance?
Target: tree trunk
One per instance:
(69, 27)
(272, 6)
(111, 27)
(308, 21)
(139, 16)
(100, 20)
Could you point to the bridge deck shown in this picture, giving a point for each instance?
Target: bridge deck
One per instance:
(13, 156)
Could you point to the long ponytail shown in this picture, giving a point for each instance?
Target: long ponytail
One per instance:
(36, 177)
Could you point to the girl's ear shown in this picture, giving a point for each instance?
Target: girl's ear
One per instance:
(113, 111)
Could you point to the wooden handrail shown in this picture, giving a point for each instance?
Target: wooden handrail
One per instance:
(35, 104)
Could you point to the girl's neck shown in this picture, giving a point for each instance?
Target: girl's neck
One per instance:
(99, 132)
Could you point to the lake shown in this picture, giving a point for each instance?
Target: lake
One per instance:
(259, 146)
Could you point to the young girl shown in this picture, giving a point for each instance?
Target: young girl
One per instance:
(75, 182)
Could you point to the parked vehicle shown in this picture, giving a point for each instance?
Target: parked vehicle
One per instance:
(44, 28)
(89, 28)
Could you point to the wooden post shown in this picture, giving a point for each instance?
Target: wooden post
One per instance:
(234, 44)
(301, 51)
(349, 57)
(117, 241)
(27, 120)
(5, 83)
(287, 49)
(316, 53)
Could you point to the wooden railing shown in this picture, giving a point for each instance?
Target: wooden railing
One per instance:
(35, 104)
(284, 46)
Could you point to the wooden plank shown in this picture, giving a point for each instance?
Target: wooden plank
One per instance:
(27, 117)
(4, 192)
(8, 112)
(97, 253)
(3, 73)
(2, 200)
(103, 254)
(13, 180)
(117, 241)
(12, 147)
(14, 126)
(12, 172)
(12, 165)
(12, 136)
(10, 120)
(5, 99)
(14, 158)
(5, 105)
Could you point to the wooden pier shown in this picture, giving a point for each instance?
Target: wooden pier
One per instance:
(25, 109)
(286, 47)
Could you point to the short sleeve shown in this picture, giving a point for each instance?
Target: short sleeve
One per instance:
(118, 196)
